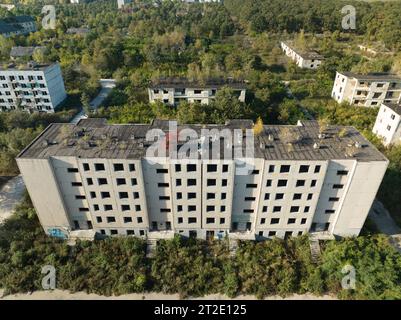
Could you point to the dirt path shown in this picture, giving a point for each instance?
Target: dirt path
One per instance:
(65, 295)
(107, 86)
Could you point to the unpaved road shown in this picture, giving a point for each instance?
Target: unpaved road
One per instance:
(107, 85)
(65, 295)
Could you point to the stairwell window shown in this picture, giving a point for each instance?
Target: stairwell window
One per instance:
(163, 185)
(251, 185)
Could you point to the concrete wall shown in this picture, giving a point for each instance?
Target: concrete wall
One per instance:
(140, 197)
(45, 193)
(171, 96)
(49, 88)
(365, 93)
(388, 126)
(360, 194)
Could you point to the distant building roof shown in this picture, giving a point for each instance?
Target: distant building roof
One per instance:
(26, 67)
(371, 76)
(24, 51)
(184, 82)
(7, 28)
(7, 6)
(394, 106)
(13, 24)
(307, 55)
(94, 138)
(19, 19)
(78, 30)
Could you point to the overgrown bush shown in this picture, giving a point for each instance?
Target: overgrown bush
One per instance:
(191, 267)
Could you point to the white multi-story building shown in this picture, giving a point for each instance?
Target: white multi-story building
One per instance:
(174, 91)
(388, 123)
(100, 177)
(369, 90)
(31, 88)
(308, 60)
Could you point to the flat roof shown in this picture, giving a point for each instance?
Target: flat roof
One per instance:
(78, 30)
(94, 138)
(26, 67)
(187, 83)
(307, 55)
(24, 51)
(19, 19)
(371, 76)
(394, 106)
(7, 28)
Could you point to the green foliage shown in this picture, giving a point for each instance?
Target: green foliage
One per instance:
(17, 130)
(377, 266)
(190, 267)
(377, 20)
(390, 189)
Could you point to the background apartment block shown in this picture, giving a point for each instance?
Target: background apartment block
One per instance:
(174, 91)
(31, 88)
(96, 176)
(308, 60)
(17, 25)
(366, 90)
(388, 123)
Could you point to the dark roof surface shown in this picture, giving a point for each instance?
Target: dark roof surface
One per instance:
(19, 19)
(24, 51)
(372, 76)
(94, 138)
(18, 67)
(7, 28)
(395, 107)
(307, 55)
(78, 30)
(185, 83)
